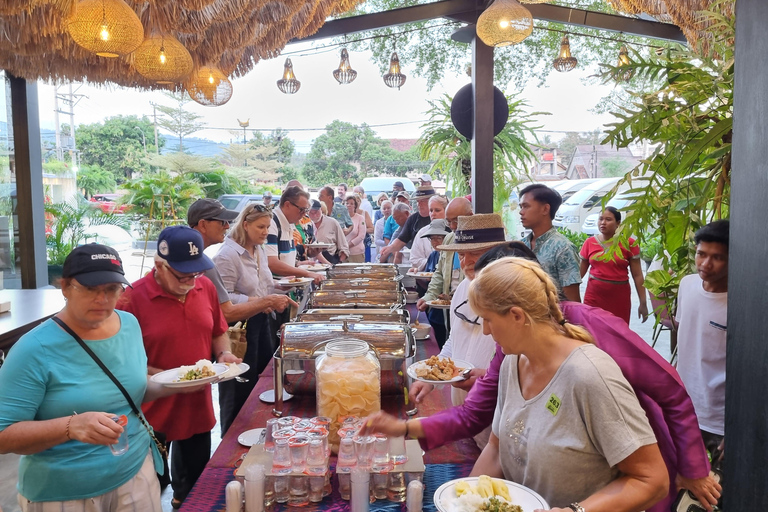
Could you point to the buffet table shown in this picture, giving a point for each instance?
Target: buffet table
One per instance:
(454, 460)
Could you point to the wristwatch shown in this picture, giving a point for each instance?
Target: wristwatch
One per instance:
(576, 507)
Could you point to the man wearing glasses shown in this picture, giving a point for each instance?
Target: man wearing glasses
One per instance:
(181, 322)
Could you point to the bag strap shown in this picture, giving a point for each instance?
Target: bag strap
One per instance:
(109, 374)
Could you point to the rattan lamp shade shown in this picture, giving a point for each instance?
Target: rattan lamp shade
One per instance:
(162, 58)
(288, 84)
(565, 61)
(344, 74)
(623, 75)
(209, 86)
(394, 78)
(108, 28)
(504, 22)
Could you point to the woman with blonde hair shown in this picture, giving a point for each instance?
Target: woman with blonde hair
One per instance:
(567, 423)
(356, 234)
(243, 265)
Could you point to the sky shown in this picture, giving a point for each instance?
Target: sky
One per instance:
(321, 100)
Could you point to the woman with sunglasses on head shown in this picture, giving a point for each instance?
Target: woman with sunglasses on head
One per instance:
(243, 265)
(475, 235)
(61, 411)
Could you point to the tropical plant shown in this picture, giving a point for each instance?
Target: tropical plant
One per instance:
(452, 152)
(218, 182)
(92, 180)
(577, 238)
(69, 224)
(685, 182)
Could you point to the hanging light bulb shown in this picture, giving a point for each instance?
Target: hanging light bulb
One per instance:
(104, 34)
(623, 75)
(564, 61)
(288, 84)
(344, 74)
(162, 57)
(211, 80)
(503, 23)
(394, 78)
(108, 28)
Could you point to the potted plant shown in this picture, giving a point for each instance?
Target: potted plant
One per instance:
(67, 227)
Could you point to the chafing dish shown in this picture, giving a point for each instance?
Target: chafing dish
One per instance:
(301, 342)
(370, 270)
(361, 283)
(356, 299)
(398, 316)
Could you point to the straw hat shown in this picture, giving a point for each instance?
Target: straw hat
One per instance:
(423, 192)
(476, 232)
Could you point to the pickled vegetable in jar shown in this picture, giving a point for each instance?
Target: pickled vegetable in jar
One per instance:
(348, 383)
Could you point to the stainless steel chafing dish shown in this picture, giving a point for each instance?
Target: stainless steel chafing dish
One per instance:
(361, 283)
(356, 299)
(398, 316)
(370, 270)
(301, 342)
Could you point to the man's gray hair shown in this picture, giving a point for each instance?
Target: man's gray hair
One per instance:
(401, 207)
(360, 189)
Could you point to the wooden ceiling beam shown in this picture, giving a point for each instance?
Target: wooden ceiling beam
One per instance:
(467, 11)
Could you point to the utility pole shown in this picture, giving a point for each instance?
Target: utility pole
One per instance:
(70, 99)
(154, 115)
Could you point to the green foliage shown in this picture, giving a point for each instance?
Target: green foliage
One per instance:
(614, 167)
(651, 248)
(176, 163)
(69, 226)
(217, 182)
(177, 120)
(56, 167)
(93, 179)
(685, 183)
(451, 152)
(348, 153)
(117, 145)
(576, 238)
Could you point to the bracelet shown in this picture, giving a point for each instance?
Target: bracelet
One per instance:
(576, 507)
(68, 422)
(407, 435)
(222, 353)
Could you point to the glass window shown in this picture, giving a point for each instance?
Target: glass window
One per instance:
(9, 235)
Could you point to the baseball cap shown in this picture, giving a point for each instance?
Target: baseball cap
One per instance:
(425, 177)
(397, 184)
(315, 205)
(94, 264)
(208, 209)
(404, 194)
(182, 247)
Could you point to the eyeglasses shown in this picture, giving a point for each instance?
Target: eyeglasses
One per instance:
(110, 290)
(223, 222)
(302, 210)
(462, 316)
(188, 278)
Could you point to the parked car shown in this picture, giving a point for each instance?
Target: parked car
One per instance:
(110, 203)
(237, 202)
(375, 186)
(573, 211)
(567, 188)
(620, 202)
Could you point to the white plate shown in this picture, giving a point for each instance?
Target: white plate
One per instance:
(317, 268)
(421, 339)
(318, 245)
(420, 275)
(234, 371)
(438, 306)
(523, 496)
(250, 437)
(303, 281)
(458, 362)
(170, 378)
(269, 396)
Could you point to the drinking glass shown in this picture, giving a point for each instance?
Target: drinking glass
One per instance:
(281, 459)
(321, 421)
(380, 484)
(396, 486)
(299, 445)
(316, 488)
(363, 450)
(345, 484)
(321, 433)
(397, 451)
(269, 490)
(287, 421)
(316, 457)
(122, 442)
(281, 488)
(347, 455)
(269, 441)
(380, 462)
(298, 491)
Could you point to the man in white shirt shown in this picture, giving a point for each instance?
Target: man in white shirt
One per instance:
(702, 307)
(328, 230)
(365, 204)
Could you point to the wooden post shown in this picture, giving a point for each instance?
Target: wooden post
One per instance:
(746, 415)
(30, 213)
(482, 123)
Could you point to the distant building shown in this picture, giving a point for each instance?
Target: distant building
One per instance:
(402, 145)
(600, 161)
(548, 165)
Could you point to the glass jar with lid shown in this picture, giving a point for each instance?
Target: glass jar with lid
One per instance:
(348, 383)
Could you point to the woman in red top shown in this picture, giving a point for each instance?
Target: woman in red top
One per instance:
(608, 286)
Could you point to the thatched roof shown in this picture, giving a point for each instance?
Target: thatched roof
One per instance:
(233, 34)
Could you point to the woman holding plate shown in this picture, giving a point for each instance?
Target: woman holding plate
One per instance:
(59, 409)
(242, 264)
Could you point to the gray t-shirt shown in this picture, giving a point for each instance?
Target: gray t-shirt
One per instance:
(565, 442)
(221, 290)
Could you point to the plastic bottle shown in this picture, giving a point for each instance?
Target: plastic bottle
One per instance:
(254, 488)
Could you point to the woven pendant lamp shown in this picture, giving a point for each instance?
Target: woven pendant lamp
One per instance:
(108, 28)
(564, 61)
(163, 59)
(504, 22)
(344, 74)
(394, 78)
(623, 75)
(209, 86)
(288, 84)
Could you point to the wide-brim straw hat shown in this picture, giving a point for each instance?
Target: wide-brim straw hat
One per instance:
(423, 192)
(476, 232)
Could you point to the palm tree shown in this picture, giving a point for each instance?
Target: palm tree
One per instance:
(452, 152)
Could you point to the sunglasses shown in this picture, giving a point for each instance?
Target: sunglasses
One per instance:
(302, 210)
(464, 317)
(223, 222)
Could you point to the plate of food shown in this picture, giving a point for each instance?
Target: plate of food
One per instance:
(185, 376)
(234, 369)
(295, 281)
(317, 267)
(439, 370)
(318, 245)
(420, 275)
(439, 304)
(483, 493)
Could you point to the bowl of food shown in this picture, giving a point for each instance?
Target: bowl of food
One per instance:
(411, 297)
(421, 331)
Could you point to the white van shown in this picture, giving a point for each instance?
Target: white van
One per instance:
(575, 209)
(375, 186)
(621, 202)
(567, 188)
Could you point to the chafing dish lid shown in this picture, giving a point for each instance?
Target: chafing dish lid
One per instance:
(305, 340)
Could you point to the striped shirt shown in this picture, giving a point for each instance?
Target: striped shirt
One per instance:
(280, 238)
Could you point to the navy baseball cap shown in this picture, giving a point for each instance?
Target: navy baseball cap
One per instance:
(94, 264)
(182, 247)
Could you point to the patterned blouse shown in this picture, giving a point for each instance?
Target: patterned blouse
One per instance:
(557, 256)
